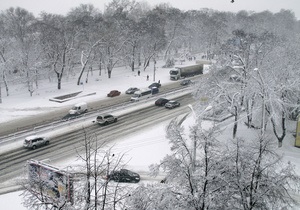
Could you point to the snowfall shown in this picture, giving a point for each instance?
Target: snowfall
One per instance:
(139, 146)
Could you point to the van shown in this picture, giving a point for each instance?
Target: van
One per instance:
(138, 95)
(79, 108)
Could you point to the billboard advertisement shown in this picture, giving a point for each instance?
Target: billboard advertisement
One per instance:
(53, 183)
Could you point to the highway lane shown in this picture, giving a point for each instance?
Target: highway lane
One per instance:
(66, 144)
(30, 122)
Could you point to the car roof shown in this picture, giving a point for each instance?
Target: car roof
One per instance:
(103, 115)
(80, 104)
(32, 137)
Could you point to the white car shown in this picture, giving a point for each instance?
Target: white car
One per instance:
(32, 142)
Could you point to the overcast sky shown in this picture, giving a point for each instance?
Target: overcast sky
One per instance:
(64, 6)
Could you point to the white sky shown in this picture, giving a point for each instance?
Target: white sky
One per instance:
(62, 7)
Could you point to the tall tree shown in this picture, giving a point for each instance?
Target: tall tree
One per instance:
(19, 25)
(87, 21)
(57, 41)
(257, 177)
(153, 35)
(192, 181)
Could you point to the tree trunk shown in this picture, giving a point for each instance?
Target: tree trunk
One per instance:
(5, 83)
(235, 122)
(58, 81)
(249, 107)
(83, 67)
(283, 127)
(279, 138)
(109, 73)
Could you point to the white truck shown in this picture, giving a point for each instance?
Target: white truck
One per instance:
(186, 71)
(190, 70)
(78, 109)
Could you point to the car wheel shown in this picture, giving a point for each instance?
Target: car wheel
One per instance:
(33, 147)
(47, 142)
(106, 123)
(115, 120)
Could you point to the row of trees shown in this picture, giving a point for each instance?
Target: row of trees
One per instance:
(203, 171)
(258, 73)
(90, 188)
(126, 33)
(255, 71)
(237, 174)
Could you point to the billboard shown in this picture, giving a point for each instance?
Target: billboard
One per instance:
(53, 183)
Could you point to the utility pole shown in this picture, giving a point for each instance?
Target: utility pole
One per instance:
(154, 70)
(194, 140)
(0, 95)
(263, 102)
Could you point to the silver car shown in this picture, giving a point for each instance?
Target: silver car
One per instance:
(32, 142)
(106, 119)
(172, 104)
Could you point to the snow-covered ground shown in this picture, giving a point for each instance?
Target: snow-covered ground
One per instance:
(139, 147)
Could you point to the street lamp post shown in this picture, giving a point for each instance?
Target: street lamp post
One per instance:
(263, 100)
(154, 70)
(194, 142)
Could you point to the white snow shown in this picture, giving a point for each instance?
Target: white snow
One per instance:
(142, 148)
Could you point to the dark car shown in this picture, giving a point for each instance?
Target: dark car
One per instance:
(131, 90)
(161, 101)
(106, 119)
(113, 93)
(172, 104)
(124, 175)
(154, 90)
(185, 82)
(155, 84)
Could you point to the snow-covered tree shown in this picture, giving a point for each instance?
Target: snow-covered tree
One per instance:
(19, 26)
(94, 190)
(224, 174)
(153, 36)
(192, 181)
(56, 37)
(257, 177)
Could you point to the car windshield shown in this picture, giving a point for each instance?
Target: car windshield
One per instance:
(130, 173)
(99, 118)
(173, 72)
